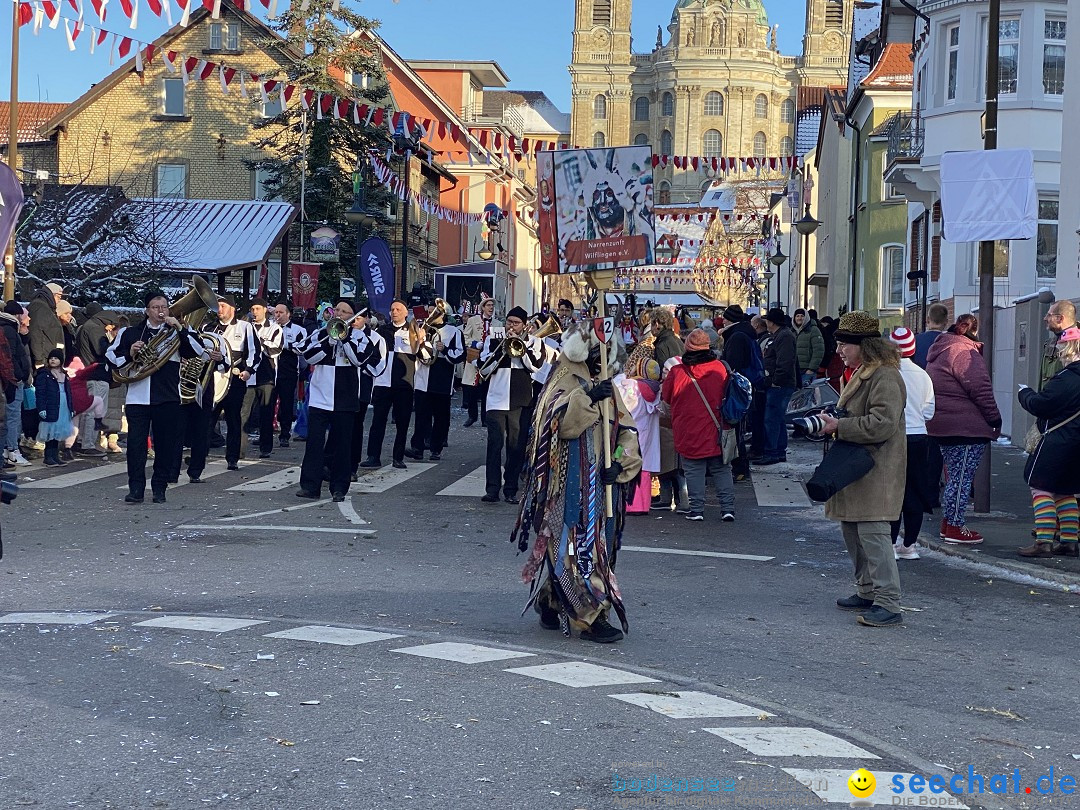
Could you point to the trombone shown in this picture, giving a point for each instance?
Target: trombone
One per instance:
(427, 333)
(512, 345)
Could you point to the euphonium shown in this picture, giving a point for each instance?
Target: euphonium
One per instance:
(430, 335)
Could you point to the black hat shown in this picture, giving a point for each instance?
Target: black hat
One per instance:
(228, 298)
(58, 354)
(777, 316)
(518, 312)
(13, 308)
(108, 316)
(348, 301)
(150, 295)
(92, 309)
(800, 311)
(733, 313)
(259, 302)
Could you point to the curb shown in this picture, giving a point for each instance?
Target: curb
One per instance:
(1069, 581)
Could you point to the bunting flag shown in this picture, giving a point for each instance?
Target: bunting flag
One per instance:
(388, 179)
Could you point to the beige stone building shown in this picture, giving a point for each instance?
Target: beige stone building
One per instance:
(715, 86)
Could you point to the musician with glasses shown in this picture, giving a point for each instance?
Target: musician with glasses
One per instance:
(153, 403)
(196, 413)
(245, 355)
(393, 391)
(508, 362)
(434, 383)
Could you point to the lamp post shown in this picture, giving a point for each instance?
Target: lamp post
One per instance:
(359, 216)
(406, 142)
(777, 260)
(806, 226)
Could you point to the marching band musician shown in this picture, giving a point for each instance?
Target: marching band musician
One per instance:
(293, 337)
(154, 401)
(551, 348)
(434, 391)
(374, 368)
(333, 401)
(476, 334)
(244, 358)
(509, 380)
(393, 391)
(195, 416)
(261, 387)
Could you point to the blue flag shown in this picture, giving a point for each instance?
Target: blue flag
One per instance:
(377, 270)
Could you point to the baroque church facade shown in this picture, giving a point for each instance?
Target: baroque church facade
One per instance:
(715, 86)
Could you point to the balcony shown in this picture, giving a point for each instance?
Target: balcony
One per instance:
(906, 141)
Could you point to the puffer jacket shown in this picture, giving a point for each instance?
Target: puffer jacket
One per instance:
(809, 346)
(965, 396)
(20, 357)
(46, 331)
(1052, 467)
(694, 429)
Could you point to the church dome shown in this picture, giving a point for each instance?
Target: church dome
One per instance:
(753, 6)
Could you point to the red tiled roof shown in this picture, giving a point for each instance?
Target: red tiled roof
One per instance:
(32, 116)
(893, 70)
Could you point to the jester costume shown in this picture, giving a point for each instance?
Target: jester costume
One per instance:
(572, 559)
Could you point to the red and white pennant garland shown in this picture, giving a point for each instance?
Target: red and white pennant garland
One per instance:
(396, 185)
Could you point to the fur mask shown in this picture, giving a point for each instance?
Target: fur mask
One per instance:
(581, 345)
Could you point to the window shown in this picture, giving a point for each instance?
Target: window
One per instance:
(172, 97)
(172, 180)
(1001, 260)
(712, 144)
(598, 140)
(599, 108)
(1046, 240)
(641, 139)
(787, 147)
(666, 143)
(224, 36)
(1054, 57)
(761, 145)
(665, 193)
(272, 108)
(1009, 57)
(787, 111)
(952, 61)
(261, 176)
(834, 13)
(892, 277)
(761, 106)
(667, 105)
(714, 104)
(641, 109)
(601, 12)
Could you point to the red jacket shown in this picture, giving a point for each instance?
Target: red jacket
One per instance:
(81, 400)
(694, 430)
(962, 388)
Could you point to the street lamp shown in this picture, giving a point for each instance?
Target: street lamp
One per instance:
(406, 142)
(806, 226)
(359, 216)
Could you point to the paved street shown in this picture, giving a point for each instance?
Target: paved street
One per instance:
(239, 647)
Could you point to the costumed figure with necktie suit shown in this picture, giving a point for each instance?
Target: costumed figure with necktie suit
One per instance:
(476, 334)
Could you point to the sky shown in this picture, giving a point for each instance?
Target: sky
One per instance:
(531, 42)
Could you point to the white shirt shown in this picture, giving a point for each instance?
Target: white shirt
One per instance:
(920, 405)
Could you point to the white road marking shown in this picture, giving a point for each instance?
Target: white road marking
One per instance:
(348, 511)
(776, 490)
(207, 624)
(386, 477)
(786, 741)
(469, 486)
(579, 673)
(217, 527)
(308, 505)
(686, 552)
(830, 785)
(213, 469)
(53, 618)
(462, 653)
(687, 705)
(65, 480)
(342, 636)
(274, 482)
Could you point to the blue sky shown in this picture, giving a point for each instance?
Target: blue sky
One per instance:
(530, 41)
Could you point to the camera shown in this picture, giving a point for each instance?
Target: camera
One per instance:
(814, 423)
(8, 492)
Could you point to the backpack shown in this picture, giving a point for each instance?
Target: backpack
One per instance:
(737, 396)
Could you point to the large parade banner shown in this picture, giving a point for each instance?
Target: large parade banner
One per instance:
(305, 284)
(377, 271)
(603, 207)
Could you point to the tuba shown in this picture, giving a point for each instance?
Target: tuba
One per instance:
(156, 353)
(429, 332)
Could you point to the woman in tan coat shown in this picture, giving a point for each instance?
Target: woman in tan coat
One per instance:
(873, 397)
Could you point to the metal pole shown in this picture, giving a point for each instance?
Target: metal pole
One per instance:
(986, 249)
(407, 171)
(303, 182)
(13, 145)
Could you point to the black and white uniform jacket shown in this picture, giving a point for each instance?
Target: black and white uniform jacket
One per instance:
(293, 338)
(245, 352)
(271, 343)
(163, 386)
(335, 383)
(401, 362)
(552, 351)
(374, 367)
(438, 378)
(204, 397)
(510, 384)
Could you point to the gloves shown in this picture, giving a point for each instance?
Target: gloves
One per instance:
(602, 390)
(611, 474)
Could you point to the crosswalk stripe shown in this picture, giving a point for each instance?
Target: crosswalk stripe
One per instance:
(691, 553)
(772, 489)
(385, 478)
(787, 741)
(341, 636)
(831, 785)
(462, 653)
(65, 480)
(274, 482)
(348, 511)
(207, 624)
(579, 673)
(690, 705)
(213, 469)
(307, 505)
(219, 527)
(472, 485)
(53, 618)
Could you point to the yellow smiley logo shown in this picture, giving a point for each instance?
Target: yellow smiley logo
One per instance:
(861, 783)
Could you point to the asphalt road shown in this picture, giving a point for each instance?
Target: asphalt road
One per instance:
(114, 713)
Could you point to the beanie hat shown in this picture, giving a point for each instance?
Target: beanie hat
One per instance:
(777, 316)
(151, 294)
(259, 302)
(800, 311)
(904, 339)
(652, 370)
(697, 341)
(857, 326)
(63, 308)
(54, 288)
(518, 312)
(733, 314)
(92, 309)
(13, 308)
(58, 354)
(227, 298)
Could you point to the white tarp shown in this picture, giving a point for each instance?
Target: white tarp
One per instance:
(988, 196)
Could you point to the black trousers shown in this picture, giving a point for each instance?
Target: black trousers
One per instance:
(333, 428)
(740, 465)
(285, 398)
(525, 432)
(399, 400)
(503, 428)
(164, 420)
(422, 417)
(194, 433)
(474, 400)
(232, 407)
(358, 437)
(757, 423)
(439, 405)
(263, 397)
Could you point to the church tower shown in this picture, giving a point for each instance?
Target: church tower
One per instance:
(600, 70)
(828, 28)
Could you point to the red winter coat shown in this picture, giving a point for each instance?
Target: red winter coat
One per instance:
(693, 428)
(81, 400)
(962, 388)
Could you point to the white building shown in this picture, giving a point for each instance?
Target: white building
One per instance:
(1068, 265)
